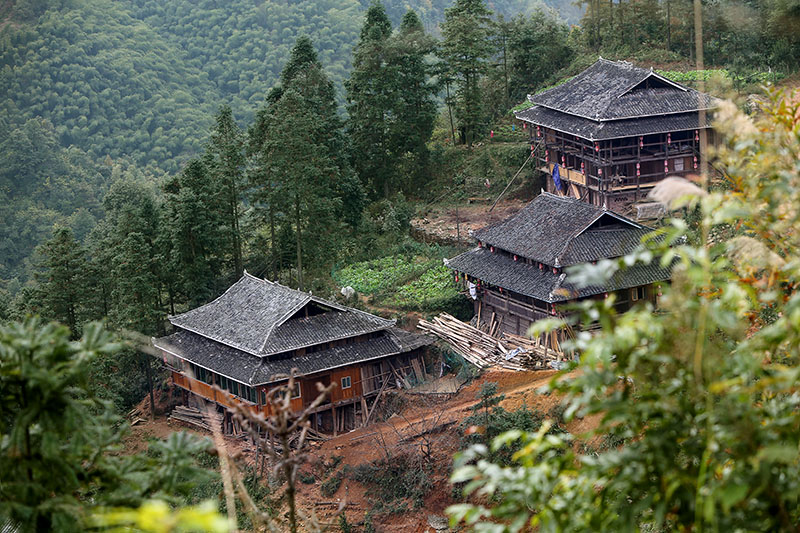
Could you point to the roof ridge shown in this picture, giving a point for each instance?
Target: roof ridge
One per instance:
(170, 317)
(283, 318)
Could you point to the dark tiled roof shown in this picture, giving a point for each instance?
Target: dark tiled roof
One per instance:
(212, 355)
(545, 229)
(301, 332)
(614, 90)
(408, 341)
(253, 316)
(502, 271)
(602, 243)
(252, 370)
(599, 131)
(347, 354)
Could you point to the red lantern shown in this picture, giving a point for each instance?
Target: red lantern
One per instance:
(500, 289)
(583, 171)
(695, 162)
(596, 147)
(515, 258)
(563, 161)
(491, 249)
(480, 244)
(638, 171)
(538, 131)
(532, 149)
(456, 278)
(641, 142)
(599, 171)
(669, 138)
(696, 135)
(547, 156)
(555, 270)
(491, 134)
(541, 266)
(666, 166)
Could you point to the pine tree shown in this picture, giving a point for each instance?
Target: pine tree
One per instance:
(62, 281)
(372, 92)
(415, 108)
(466, 49)
(308, 127)
(307, 174)
(225, 153)
(198, 223)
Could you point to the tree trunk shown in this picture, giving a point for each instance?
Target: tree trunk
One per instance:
(299, 241)
(450, 112)
(273, 258)
(669, 27)
(237, 241)
(146, 361)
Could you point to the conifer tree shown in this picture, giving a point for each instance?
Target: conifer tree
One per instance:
(466, 49)
(415, 109)
(308, 127)
(307, 175)
(62, 281)
(197, 218)
(372, 92)
(225, 152)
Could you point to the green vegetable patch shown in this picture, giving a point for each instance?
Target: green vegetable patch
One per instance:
(378, 275)
(433, 290)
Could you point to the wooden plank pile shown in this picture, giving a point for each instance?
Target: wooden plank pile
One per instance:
(484, 350)
(190, 415)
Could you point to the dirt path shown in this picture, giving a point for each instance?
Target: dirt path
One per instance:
(433, 420)
(446, 225)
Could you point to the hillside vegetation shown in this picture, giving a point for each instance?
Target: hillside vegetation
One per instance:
(143, 78)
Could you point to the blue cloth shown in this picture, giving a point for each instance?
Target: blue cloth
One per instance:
(556, 177)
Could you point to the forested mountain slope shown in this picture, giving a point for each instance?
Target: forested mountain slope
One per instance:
(143, 78)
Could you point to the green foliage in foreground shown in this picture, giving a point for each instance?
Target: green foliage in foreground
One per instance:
(701, 397)
(59, 444)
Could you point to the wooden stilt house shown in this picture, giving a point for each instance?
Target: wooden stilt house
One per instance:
(250, 338)
(609, 134)
(516, 273)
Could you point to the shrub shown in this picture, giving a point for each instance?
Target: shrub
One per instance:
(332, 484)
(399, 481)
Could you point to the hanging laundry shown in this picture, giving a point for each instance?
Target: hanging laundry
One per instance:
(557, 177)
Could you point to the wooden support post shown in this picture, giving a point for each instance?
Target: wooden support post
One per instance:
(364, 411)
(335, 422)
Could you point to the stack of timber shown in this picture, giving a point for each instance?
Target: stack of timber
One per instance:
(484, 350)
(190, 415)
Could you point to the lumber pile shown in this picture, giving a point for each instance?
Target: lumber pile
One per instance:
(190, 415)
(483, 349)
